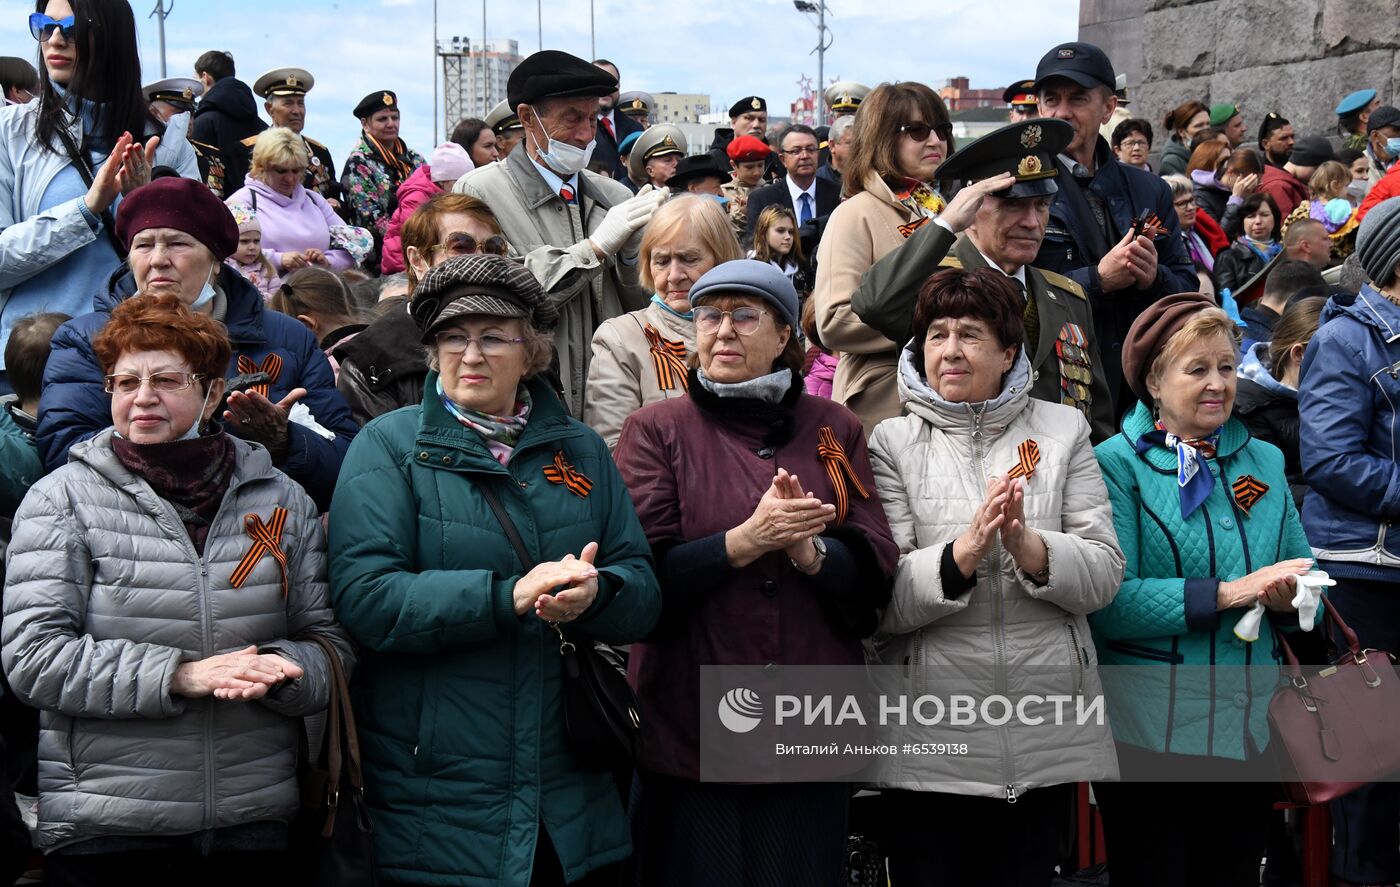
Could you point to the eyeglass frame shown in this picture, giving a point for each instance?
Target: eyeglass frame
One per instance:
(478, 342)
(109, 385)
(813, 150)
(721, 315)
(480, 246)
(944, 131)
(1131, 144)
(40, 22)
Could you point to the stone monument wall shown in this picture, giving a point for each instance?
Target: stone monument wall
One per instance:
(1297, 57)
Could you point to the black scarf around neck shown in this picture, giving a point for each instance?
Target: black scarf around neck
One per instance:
(776, 419)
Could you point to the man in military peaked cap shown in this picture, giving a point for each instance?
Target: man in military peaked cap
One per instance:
(283, 91)
(177, 95)
(844, 97)
(638, 105)
(656, 154)
(1022, 99)
(1002, 213)
(506, 126)
(578, 232)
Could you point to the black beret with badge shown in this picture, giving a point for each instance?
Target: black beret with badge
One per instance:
(375, 102)
(552, 74)
(1026, 149)
(747, 105)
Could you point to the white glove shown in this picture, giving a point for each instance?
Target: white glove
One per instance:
(1306, 601)
(627, 219)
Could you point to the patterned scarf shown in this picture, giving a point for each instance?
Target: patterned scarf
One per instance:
(1265, 250)
(502, 429)
(192, 475)
(920, 199)
(1193, 478)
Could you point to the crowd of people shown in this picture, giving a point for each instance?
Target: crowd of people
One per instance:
(1050, 402)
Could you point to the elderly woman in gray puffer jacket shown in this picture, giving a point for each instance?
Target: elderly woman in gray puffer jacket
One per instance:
(155, 591)
(1002, 517)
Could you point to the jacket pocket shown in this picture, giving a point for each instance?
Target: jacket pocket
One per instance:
(1076, 656)
(1142, 652)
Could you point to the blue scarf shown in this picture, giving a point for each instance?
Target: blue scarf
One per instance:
(1265, 251)
(689, 315)
(1193, 478)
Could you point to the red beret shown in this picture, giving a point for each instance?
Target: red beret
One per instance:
(1150, 333)
(746, 148)
(183, 204)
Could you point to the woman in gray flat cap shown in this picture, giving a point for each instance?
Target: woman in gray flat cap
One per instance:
(469, 772)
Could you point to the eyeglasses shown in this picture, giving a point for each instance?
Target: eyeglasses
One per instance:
(799, 152)
(1134, 144)
(745, 320)
(489, 346)
(42, 27)
(161, 383)
(1184, 202)
(458, 244)
(919, 131)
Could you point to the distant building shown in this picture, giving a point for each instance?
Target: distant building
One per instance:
(958, 96)
(474, 77)
(680, 107)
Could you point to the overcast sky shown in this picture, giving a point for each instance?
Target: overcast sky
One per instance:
(728, 48)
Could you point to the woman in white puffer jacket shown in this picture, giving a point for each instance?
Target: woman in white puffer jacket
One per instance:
(1007, 542)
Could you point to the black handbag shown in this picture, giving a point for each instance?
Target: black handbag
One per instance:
(601, 718)
(334, 838)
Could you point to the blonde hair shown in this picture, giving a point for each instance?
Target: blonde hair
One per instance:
(689, 215)
(1329, 181)
(1206, 324)
(278, 146)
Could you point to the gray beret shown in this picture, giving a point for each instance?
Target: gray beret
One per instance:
(480, 284)
(747, 277)
(1378, 241)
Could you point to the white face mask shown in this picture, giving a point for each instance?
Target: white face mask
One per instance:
(563, 158)
(206, 295)
(193, 431)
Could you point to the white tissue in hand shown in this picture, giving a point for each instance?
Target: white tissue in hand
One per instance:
(302, 416)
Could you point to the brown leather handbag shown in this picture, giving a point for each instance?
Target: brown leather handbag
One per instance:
(1336, 730)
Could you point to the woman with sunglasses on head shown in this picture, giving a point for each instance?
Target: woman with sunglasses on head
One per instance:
(178, 234)
(67, 159)
(902, 135)
(772, 549)
(383, 368)
(299, 229)
(164, 643)
(640, 357)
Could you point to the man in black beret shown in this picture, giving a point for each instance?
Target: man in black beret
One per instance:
(578, 232)
(1002, 213)
(747, 117)
(1092, 236)
(375, 169)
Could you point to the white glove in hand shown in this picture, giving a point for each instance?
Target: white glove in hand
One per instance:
(627, 219)
(1306, 601)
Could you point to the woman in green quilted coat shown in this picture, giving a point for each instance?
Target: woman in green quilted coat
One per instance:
(469, 776)
(1208, 527)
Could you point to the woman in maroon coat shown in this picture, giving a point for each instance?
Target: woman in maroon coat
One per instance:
(772, 548)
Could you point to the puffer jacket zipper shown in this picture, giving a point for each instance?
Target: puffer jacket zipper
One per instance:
(1077, 655)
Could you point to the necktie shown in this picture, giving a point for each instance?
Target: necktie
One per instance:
(1030, 317)
(804, 213)
(566, 192)
(607, 124)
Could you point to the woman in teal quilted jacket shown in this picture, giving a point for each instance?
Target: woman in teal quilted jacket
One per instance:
(1209, 529)
(469, 775)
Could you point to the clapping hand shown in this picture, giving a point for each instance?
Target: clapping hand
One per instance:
(785, 518)
(559, 591)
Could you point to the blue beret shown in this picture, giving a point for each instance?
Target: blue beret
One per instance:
(1355, 102)
(748, 277)
(628, 141)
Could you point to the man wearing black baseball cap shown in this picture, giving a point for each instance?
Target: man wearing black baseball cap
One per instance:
(1384, 150)
(578, 232)
(1093, 236)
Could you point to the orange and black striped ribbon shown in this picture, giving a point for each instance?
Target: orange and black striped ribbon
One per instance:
(913, 226)
(561, 472)
(839, 470)
(272, 365)
(669, 356)
(1029, 454)
(267, 539)
(1248, 490)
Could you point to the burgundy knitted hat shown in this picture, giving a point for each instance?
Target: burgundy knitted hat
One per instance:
(183, 204)
(1152, 330)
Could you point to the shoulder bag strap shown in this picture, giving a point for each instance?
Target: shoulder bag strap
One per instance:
(84, 167)
(512, 534)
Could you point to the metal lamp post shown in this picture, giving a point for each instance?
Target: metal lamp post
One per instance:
(824, 41)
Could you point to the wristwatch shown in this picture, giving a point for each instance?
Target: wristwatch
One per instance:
(811, 566)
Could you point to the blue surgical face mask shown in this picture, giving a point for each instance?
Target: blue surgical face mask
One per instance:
(206, 295)
(1392, 147)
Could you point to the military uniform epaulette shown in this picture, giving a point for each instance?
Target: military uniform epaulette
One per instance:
(250, 141)
(313, 142)
(1059, 281)
(949, 261)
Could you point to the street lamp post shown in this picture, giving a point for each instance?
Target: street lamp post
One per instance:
(159, 14)
(824, 41)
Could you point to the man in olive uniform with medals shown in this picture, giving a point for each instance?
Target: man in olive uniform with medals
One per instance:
(176, 95)
(1003, 229)
(283, 91)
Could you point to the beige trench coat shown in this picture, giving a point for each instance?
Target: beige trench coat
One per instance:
(627, 374)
